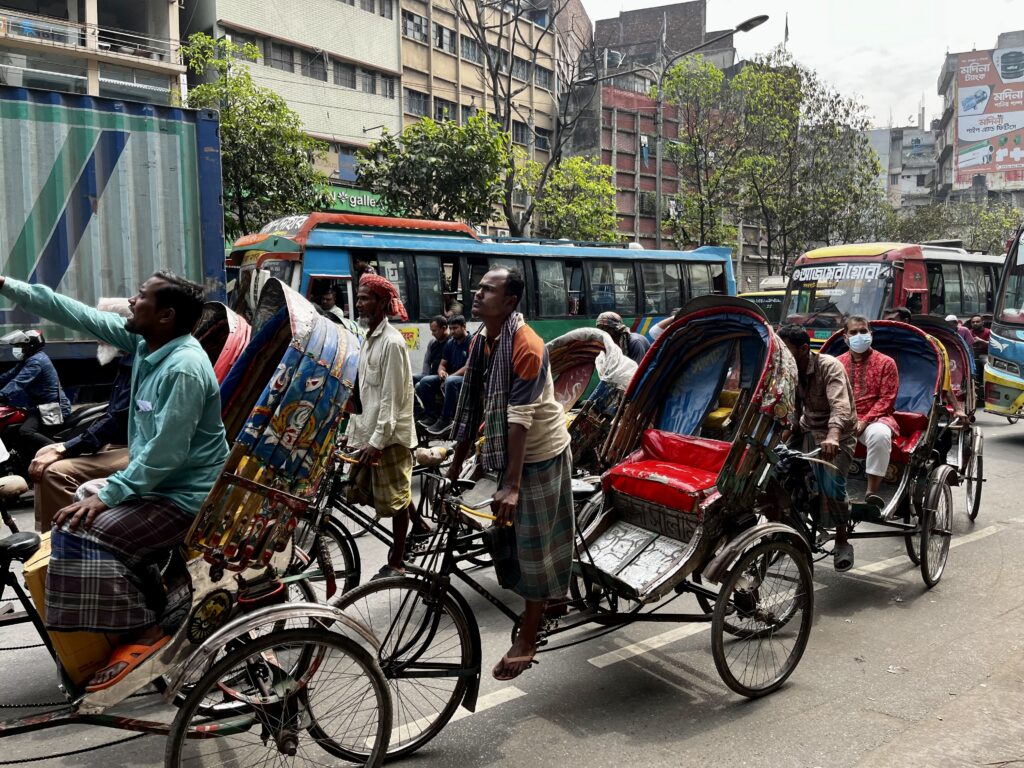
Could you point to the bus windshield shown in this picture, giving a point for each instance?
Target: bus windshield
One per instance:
(822, 295)
(1011, 305)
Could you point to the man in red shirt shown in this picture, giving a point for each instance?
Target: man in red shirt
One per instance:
(876, 381)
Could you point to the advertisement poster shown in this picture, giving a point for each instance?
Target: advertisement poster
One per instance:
(990, 112)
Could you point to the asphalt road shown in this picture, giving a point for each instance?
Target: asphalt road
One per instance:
(894, 674)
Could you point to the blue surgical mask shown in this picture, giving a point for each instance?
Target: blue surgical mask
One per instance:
(859, 342)
(19, 353)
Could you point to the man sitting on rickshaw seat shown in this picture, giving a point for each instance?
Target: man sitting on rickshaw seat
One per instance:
(876, 383)
(828, 420)
(102, 547)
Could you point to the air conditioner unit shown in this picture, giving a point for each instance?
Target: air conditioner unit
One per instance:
(502, 233)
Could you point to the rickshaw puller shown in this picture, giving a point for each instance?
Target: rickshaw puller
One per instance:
(876, 382)
(827, 419)
(509, 388)
(176, 446)
(383, 432)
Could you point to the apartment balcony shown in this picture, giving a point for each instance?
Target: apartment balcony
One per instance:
(34, 34)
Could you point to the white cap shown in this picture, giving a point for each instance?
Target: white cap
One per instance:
(952, 319)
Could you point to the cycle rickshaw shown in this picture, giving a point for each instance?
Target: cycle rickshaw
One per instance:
(964, 442)
(251, 673)
(678, 517)
(916, 488)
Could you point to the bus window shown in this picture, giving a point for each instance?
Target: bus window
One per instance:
(700, 280)
(661, 288)
(452, 277)
(479, 266)
(395, 268)
(613, 288)
(552, 295)
(936, 290)
(718, 284)
(951, 284)
(975, 289)
(574, 282)
(428, 282)
(318, 286)
(991, 281)
(625, 289)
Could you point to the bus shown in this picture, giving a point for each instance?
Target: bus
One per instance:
(870, 278)
(1004, 385)
(770, 303)
(436, 265)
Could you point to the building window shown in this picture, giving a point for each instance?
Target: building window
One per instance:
(313, 65)
(519, 197)
(414, 26)
(416, 103)
(387, 86)
(520, 132)
(468, 110)
(280, 56)
(444, 110)
(471, 50)
(920, 179)
(894, 179)
(543, 139)
(347, 164)
(499, 57)
(521, 69)
(344, 74)
(241, 39)
(646, 203)
(367, 81)
(386, 8)
(444, 38)
(367, 5)
(349, 2)
(542, 77)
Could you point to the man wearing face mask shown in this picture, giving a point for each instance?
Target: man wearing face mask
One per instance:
(100, 451)
(876, 381)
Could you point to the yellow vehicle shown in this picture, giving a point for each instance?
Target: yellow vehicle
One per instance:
(770, 302)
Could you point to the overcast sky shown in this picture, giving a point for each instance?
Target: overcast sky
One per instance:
(889, 52)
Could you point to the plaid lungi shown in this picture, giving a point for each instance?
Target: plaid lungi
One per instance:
(386, 487)
(545, 528)
(95, 579)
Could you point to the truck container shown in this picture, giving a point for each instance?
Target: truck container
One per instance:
(97, 194)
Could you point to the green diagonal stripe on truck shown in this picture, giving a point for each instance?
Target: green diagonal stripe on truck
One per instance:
(50, 204)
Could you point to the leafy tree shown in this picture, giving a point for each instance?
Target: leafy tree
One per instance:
(709, 151)
(514, 38)
(578, 201)
(438, 170)
(267, 162)
(981, 226)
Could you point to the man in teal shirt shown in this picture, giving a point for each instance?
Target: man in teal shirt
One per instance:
(176, 449)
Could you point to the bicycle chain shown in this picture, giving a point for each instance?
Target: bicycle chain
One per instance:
(81, 751)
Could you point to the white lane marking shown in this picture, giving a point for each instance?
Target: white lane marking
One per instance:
(491, 700)
(884, 565)
(658, 641)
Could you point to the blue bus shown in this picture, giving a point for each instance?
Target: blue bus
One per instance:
(436, 266)
(1004, 385)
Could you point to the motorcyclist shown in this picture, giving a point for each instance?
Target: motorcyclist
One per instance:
(32, 385)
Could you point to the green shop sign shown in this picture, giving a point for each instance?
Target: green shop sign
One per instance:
(347, 200)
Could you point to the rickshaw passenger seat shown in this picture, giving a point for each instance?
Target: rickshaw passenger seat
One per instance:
(912, 428)
(671, 470)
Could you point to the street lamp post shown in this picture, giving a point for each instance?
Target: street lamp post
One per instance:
(659, 114)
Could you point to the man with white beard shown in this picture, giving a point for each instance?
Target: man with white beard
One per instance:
(58, 469)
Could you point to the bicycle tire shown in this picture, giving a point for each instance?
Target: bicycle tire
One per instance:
(260, 704)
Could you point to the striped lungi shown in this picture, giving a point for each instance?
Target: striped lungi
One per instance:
(545, 528)
(95, 580)
(386, 486)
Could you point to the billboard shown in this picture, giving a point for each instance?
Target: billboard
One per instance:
(990, 115)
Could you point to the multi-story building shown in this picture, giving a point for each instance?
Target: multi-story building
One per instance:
(126, 49)
(980, 145)
(626, 115)
(907, 160)
(445, 72)
(337, 63)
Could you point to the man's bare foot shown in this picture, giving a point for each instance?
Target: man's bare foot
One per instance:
(517, 659)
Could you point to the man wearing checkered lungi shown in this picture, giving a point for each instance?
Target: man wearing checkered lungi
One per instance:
(508, 387)
(101, 547)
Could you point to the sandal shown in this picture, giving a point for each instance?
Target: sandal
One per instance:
(526, 661)
(129, 655)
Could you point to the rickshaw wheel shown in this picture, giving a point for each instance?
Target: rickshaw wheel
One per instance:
(766, 605)
(427, 646)
(912, 540)
(936, 527)
(973, 481)
(249, 704)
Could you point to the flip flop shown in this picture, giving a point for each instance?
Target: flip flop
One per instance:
(387, 572)
(129, 655)
(529, 661)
